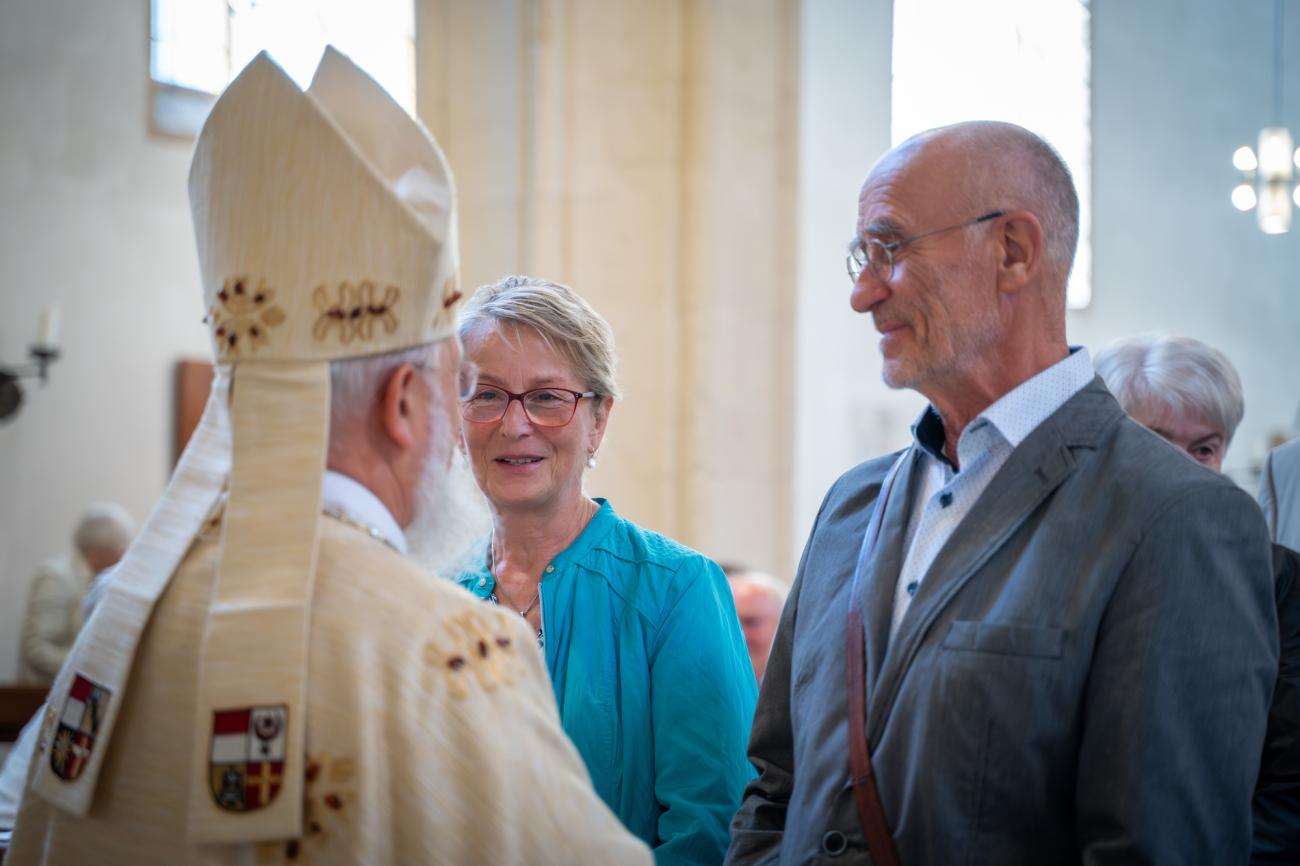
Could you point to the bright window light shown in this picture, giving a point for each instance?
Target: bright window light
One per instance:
(198, 46)
(962, 69)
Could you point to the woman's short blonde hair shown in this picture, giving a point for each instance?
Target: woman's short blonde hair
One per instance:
(567, 323)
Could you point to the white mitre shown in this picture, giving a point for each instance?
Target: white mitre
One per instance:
(326, 228)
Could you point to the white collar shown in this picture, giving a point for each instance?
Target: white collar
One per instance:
(354, 500)
(1019, 412)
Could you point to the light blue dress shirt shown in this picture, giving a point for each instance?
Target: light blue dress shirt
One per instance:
(946, 495)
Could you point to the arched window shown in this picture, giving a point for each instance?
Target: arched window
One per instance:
(1023, 61)
(197, 46)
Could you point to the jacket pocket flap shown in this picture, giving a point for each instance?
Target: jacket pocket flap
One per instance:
(1011, 640)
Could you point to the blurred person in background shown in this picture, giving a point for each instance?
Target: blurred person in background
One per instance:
(1190, 394)
(54, 605)
(640, 633)
(759, 599)
(1279, 493)
(1186, 392)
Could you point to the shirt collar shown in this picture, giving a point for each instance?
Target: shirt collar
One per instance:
(1018, 412)
(349, 496)
(482, 583)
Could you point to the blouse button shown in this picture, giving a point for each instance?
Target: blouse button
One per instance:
(550, 568)
(482, 581)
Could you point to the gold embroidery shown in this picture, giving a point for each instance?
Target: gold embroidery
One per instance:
(467, 647)
(355, 311)
(451, 292)
(242, 317)
(327, 808)
(47, 728)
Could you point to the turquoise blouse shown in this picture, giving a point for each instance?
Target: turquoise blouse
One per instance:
(652, 680)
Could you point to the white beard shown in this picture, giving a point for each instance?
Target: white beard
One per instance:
(450, 511)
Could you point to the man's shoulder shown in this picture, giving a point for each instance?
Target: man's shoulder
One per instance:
(1144, 464)
(410, 617)
(1285, 460)
(60, 567)
(860, 485)
(394, 585)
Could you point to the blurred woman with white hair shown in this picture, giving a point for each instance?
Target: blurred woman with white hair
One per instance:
(1190, 394)
(1187, 392)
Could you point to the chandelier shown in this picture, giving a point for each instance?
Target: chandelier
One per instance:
(1267, 176)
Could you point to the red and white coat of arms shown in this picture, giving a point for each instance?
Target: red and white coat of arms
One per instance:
(83, 712)
(246, 762)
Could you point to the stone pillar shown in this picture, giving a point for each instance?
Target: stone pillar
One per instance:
(644, 153)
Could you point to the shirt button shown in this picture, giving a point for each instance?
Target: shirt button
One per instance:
(482, 581)
(834, 843)
(550, 568)
(911, 588)
(945, 499)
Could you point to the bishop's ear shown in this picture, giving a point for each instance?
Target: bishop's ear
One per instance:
(1020, 249)
(400, 406)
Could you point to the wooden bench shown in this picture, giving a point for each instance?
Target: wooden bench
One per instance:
(18, 703)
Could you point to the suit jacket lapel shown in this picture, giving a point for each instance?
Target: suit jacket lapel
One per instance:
(1037, 467)
(880, 572)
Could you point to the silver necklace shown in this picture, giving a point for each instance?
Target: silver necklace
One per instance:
(500, 587)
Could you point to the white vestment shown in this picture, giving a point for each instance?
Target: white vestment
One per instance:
(431, 736)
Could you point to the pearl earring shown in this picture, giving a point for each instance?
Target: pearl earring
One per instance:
(591, 460)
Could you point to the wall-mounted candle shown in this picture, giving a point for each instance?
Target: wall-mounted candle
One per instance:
(47, 328)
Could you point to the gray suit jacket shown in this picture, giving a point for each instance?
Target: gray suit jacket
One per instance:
(1083, 677)
(1279, 493)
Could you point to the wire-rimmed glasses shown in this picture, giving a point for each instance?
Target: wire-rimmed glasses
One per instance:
(878, 255)
(545, 407)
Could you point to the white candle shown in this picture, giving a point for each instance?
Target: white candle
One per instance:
(47, 328)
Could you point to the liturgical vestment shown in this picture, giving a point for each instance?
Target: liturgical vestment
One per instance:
(431, 736)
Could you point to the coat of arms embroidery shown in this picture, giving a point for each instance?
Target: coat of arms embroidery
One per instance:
(83, 713)
(246, 763)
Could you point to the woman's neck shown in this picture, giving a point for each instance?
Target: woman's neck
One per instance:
(524, 543)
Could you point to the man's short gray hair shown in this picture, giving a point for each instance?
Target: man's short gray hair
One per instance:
(1005, 166)
(1180, 375)
(564, 320)
(104, 526)
(356, 384)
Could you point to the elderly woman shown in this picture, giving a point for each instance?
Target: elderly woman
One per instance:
(1190, 394)
(1178, 387)
(640, 634)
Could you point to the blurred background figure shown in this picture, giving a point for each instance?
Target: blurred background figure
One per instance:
(54, 604)
(1279, 494)
(759, 600)
(1190, 394)
(1178, 387)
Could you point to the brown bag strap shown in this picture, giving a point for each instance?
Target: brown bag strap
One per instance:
(871, 813)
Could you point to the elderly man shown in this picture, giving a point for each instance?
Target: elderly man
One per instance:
(269, 678)
(54, 605)
(759, 598)
(1039, 634)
